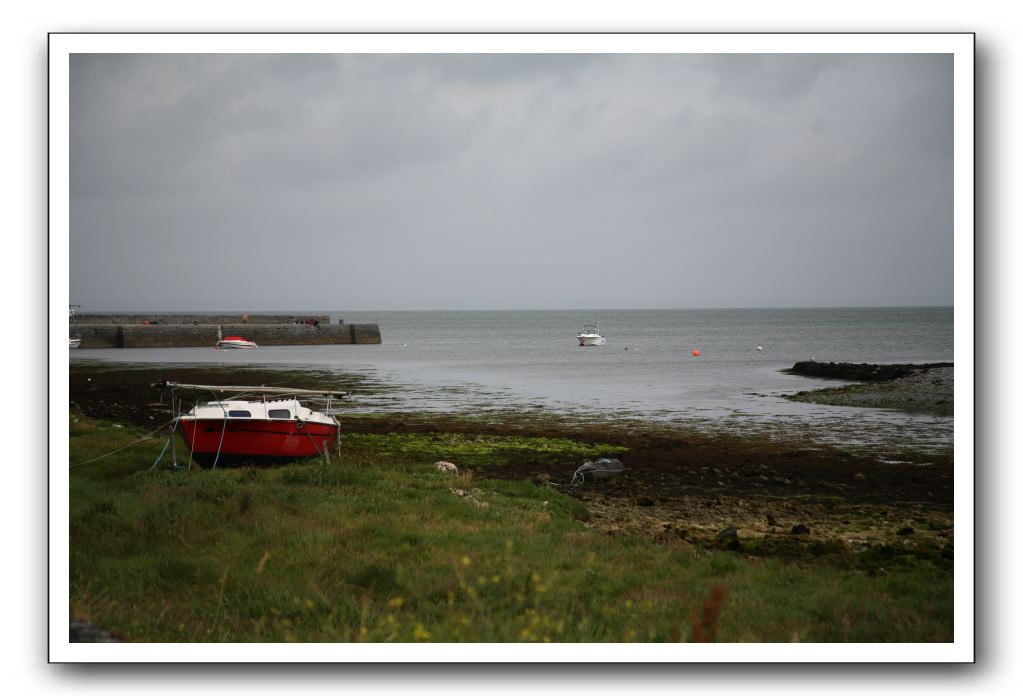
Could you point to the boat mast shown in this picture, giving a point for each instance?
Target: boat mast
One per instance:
(250, 390)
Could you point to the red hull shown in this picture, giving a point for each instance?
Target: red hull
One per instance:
(257, 438)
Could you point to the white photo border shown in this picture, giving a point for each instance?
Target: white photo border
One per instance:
(960, 45)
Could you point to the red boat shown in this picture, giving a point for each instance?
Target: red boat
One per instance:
(248, 428)
(236, 342)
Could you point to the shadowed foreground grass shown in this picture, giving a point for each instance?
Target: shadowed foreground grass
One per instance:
(382, 547)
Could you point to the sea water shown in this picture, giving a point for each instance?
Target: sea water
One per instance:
(499, 361)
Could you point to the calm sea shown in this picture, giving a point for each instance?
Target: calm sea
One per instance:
(483, 361)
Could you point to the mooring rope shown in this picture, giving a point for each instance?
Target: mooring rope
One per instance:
(119, 449)
(195, 430)
(166, 444)
(223, 430)
(325, 454)
(191, 447)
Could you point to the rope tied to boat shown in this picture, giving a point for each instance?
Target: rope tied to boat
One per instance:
(121, 449)
(325, 454)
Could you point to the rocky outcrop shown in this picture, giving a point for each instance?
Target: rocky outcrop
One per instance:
(920, 389)
(861, 372)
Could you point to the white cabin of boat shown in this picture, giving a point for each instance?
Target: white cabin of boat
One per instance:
(590, 336)
(275, 409)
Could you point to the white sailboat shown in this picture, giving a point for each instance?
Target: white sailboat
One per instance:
(255, 423)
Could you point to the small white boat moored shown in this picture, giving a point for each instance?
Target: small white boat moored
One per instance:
(590, 336)
(235, 342)
(75, 332)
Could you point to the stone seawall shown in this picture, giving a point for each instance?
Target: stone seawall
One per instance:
(165, 334)
(159, 318)
(104, 336)
(365, 333)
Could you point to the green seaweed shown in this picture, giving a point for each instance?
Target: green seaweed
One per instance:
(473, 449)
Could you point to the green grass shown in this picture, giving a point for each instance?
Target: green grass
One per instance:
(379, 546)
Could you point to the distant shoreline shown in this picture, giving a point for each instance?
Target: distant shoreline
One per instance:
(377, 310)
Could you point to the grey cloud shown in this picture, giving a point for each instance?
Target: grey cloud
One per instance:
(405, 181)
(773, 77)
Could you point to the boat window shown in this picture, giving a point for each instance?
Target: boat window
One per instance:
(239, 414)
(279, 413)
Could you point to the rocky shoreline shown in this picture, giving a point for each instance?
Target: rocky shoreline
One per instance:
(867, 537)
(927, 388)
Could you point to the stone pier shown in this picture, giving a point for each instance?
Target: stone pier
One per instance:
(200, 330)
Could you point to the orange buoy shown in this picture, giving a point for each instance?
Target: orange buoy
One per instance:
(696, 353)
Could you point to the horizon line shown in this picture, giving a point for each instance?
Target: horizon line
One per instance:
(523, 309)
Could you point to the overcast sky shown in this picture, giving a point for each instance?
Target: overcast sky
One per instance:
(374, 182)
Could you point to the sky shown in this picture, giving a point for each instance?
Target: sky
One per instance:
(509, 181)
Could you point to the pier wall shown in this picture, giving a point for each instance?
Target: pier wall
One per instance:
(157, 317)
(167, 336)
(290, 334)
(101, 336)
(365, 333)
(186, 331)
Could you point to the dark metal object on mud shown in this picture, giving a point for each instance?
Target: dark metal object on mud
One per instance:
(598, 468)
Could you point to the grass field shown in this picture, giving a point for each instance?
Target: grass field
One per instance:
(379, 546)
